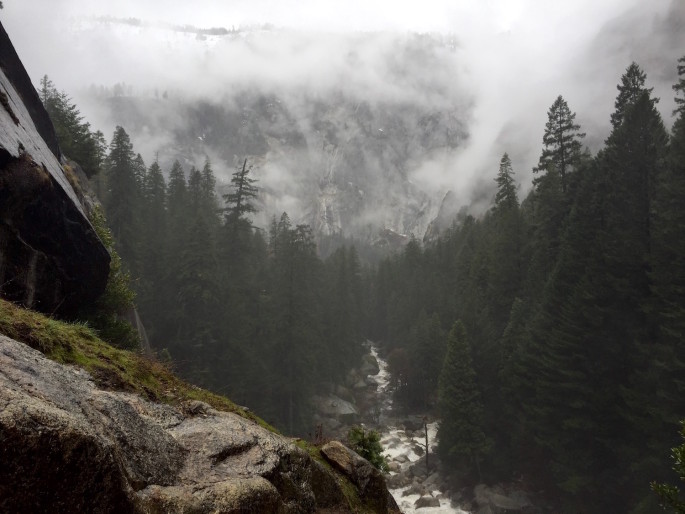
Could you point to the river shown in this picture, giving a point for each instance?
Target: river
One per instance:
(404, 449)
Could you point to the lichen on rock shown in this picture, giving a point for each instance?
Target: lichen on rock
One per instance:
(67, 445)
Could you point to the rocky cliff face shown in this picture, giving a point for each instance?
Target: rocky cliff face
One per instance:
(340, 164)
(67, 445)
(50, 257)
(344, 142)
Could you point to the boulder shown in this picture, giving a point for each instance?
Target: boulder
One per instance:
(362, 474)
(495, 499)
(418, 468)
(426, 501)
(394, 467)
(369, 365)
(398, 481)
(335, 407)
(50, 257)
(352, 378)
(415, 488)
(360, 384)
(434, 481)
(413, 424)
(344, 393)
(68, 446)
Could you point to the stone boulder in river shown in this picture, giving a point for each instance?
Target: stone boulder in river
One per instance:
(337, 408)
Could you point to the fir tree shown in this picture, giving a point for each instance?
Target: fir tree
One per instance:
(121, 201)
(505, 199)
(73, 133)
(177, 195)
(561, 142)
(679, 88)
(239, 202)
(629, 90)
(462, 442)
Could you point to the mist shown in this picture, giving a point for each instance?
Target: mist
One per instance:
(493, 68)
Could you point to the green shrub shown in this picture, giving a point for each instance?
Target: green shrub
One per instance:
(368, 445)
(106, 315)
(669, 495)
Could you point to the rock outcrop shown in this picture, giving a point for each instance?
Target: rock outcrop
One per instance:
(368, 479)
(50, 257)
(449, 207)
(68, 446)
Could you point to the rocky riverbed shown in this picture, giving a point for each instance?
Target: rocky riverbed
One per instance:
(414, 478)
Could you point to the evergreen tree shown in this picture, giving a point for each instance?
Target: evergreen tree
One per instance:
(462, 442)
(195, 192)
(505, 199)
(121, 200)
(154, 258)
(505, 254)
(343, 312)
(629, 90)
(208, 182)
(74, 135)
(679, 88)
(139, 170)
(295, 326)
(239, 202)
(561, 142)
(177, 193)
(426, 351)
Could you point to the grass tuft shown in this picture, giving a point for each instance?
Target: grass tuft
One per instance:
(111, 368)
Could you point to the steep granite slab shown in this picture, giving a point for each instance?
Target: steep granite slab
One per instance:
(50, 257)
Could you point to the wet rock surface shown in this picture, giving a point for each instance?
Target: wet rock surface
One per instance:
(367, 478)
(67, 446)
(50, 257)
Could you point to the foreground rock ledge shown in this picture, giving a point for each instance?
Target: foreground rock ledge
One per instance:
(67, 446)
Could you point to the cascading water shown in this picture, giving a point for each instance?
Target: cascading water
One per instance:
(404, 449)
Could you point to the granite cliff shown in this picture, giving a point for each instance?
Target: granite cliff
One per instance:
(51, 259)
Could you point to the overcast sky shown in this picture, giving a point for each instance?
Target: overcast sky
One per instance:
(514, 58)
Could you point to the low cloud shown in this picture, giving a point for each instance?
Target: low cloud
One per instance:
(496, 66)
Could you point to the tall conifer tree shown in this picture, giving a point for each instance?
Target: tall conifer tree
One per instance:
(561, 142)
(462, 442)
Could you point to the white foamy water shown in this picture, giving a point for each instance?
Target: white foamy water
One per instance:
(404, 449)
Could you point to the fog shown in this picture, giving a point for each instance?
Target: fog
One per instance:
(495, 66)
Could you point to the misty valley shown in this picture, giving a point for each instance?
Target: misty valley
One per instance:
(297, 257)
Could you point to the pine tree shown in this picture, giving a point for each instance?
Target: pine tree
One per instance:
(195, 193)
(139, 170)
(177, 196)
(505, 249)
(629, 90)
(505, 199)
(679, 88)
(462, 442)
(121, 201)
(154, 258)
(426, 351)
(74, 135)
(561, 142)
(295, 324)
(239, 202)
